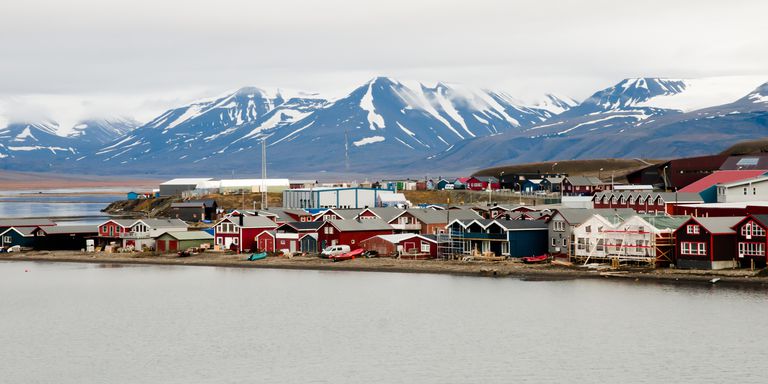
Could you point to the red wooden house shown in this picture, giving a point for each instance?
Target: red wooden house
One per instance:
(751, 240)
(584, 185)
(239, 233)
(481, 183)
(350, 232)
(288, 236)
(404, 245)
(113, 230)
(706, 243)
(645, 202)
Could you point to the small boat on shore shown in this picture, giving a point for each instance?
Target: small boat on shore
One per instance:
(535, 259)
(347, 256)
(257, 256)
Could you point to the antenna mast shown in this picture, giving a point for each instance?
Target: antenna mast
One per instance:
(264, 199)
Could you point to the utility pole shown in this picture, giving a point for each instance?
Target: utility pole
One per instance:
(264, 198)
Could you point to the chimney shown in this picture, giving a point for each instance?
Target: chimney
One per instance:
(241, 220)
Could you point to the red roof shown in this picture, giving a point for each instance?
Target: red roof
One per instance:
(718, 177)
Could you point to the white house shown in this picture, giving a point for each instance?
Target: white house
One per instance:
(753, 189)
(144, 232)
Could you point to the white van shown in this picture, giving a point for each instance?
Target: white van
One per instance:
(335, 250)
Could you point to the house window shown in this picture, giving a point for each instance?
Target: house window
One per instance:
(693, 248)
(588, 228)
(692, 229)
(558, 225)
(565, 242)
(505, 248)
(236, 241)
(554, 242)
(752, 229)
(581, 243)
(751, 249)
(7, 239)
(219, 240)
(618, 245)
(600, 245)
(745, 191)
(425, 247)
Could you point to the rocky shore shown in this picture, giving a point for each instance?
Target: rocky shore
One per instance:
(513, 269)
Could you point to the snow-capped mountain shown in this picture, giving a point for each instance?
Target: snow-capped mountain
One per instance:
(382, 116)
(39, 144)
(627, 120)
(386, 125)
(97, 132)
(207, 128)
(34, 143)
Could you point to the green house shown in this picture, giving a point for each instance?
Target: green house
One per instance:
(181, 240)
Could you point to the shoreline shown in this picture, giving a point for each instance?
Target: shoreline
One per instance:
(511, 269)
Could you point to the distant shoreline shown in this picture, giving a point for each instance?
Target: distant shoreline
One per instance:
(482, 269)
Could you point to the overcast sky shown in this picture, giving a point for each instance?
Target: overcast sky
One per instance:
(138, 57)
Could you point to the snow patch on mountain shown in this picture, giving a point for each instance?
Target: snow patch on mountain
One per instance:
(705, 92)
(369, 140)
(375, 121)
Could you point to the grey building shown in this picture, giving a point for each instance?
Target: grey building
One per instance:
(564, 220)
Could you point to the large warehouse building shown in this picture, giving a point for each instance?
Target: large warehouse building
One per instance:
(333, 197)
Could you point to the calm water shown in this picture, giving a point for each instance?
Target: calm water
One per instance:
(71, 323)
(84, 208)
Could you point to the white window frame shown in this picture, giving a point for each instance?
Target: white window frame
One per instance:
(425, 247)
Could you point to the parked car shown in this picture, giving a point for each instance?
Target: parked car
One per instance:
(335, 250)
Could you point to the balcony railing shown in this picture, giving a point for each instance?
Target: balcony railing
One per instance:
(484, 236)
(406, 227)
(134, 235)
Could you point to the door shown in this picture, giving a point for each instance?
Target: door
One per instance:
(409, 246)
(292, 245)
(161, 245)
(228, 242)
(173, 245)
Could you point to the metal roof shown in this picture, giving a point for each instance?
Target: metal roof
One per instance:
(398, 237)
(718, 224)
(68, 229)
(25, 222)
(720, 177)
(24, 231)
(163, 223)
(189, 235)
(186, 181)
(576, 216)
(361, 225)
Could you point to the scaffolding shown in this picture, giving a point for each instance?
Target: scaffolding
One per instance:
(450, 245)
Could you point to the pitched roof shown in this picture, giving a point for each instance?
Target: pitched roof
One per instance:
(517, 225)
(25, 222)
(761, 218)
(207, 203)
(163, 223)
(743, 162)
(69, 229)
(189, 235)
(386, 213)
(305, 225)
(122, 222)
(487, 179)
(252, 221)
(719, 177)
(682, 197)
(23, 231)
(665, 221)
(718, 224)
(584, 181)
(361, 225)
(398, 237)
(576, 216)
(185, 181)
(758, 179)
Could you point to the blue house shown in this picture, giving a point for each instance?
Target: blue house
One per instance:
(526, 237)
(532, 185)
(21, 236)
(133, 196)
(502, 237)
